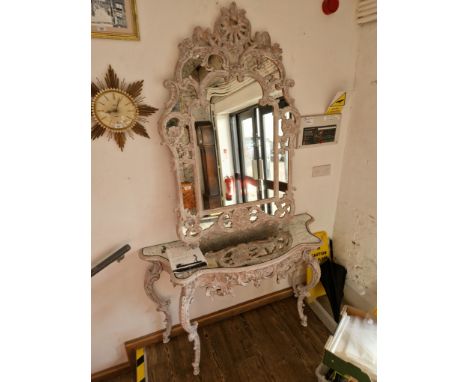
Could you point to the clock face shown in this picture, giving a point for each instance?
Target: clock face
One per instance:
(114, 109)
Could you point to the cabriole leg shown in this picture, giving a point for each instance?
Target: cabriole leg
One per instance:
(294, 280)
(186, 297)
(162, 305)
(302, 291)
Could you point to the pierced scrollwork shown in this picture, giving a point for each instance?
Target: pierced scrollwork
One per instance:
(228, 52)
(221, 282)
(190, 228)
(284, 207)
(246, 217)
(290, 118)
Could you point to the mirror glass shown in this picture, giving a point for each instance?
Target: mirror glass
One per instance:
(230, 124)
(178, 134)
(236, 146)
(234, 135)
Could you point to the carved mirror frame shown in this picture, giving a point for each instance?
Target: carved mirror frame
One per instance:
(232, 42)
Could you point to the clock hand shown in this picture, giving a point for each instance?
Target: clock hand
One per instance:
(114, 110)
(116, 107)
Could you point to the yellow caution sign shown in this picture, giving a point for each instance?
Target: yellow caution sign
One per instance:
(322, 253)
(337, 105)
(140, 365)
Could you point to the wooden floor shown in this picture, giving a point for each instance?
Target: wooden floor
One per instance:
(266, 344)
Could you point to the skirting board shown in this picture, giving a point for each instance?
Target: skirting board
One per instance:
(156, 337)
(111, 372)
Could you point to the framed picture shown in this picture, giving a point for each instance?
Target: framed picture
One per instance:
(115, 19)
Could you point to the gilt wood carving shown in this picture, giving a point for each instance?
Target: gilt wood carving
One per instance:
(229, 51)
(221, 281)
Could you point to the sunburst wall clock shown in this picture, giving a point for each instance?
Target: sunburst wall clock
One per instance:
(117, 109)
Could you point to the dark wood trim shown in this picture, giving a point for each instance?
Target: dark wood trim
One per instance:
(156, 337)
(111, 372)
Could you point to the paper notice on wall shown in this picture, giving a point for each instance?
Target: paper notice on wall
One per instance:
(337, 104)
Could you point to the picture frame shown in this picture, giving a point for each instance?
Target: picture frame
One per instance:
(114, 19)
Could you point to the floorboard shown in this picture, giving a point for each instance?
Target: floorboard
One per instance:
(267, 344)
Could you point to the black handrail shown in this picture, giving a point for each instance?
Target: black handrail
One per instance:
(117, 255)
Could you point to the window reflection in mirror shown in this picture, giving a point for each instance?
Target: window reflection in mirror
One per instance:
(243, 134)
(235, 138)
(283, 171)
(252, 151)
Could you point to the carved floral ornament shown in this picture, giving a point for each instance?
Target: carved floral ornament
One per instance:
(229, 52)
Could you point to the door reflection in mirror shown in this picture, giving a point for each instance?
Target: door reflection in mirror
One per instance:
(252, 153)
(246, 155)
(236, 146)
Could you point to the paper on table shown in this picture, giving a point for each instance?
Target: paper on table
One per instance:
(182, 257)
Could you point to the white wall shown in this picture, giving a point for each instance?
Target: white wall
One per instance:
(356, 217)
(133, 192)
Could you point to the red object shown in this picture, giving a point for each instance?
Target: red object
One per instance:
(330, 6)
(228, 180)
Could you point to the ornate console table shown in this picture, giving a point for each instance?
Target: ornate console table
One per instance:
(277, 256)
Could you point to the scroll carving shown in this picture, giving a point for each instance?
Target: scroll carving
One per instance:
(279, 256)
(220, 281)
(230, 51)
(152, 275)
(186, 298)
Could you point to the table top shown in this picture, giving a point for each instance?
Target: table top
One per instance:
(290, 235)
